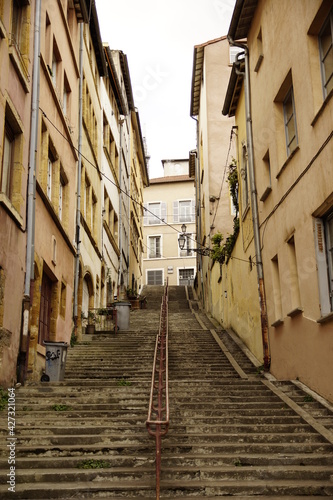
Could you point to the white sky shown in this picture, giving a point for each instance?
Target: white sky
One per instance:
(158, 37)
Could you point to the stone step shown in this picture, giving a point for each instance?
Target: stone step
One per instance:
(170, 488)
(86, 471)
(133, 447)
(171, 438)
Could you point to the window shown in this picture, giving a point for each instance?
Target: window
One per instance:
(260, 55)
(155, 277)
(290, 121)
(154, 213)
(7, 162)
(66, 97)
(183, 211)
(324, 253)
(61, 196)
(154, 247)
(19, 40)
(187, 250)
(277, 298)
(50, 161)
(266, 177)
(326, 54)
(63, 300)
(56, 62)
(186, 276)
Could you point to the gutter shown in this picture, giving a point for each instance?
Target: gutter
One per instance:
(254, 204)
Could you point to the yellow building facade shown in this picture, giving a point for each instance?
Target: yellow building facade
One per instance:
(290, 75)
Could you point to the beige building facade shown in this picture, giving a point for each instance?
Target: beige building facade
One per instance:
(292, 124)
(214, 151)
(51, 315)
(169, 202)
(71, 139)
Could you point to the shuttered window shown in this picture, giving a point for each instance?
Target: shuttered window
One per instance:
(155, 277)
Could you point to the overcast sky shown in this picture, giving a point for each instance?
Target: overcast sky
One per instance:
(158, 37)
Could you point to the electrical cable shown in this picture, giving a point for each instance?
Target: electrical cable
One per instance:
(115, 184)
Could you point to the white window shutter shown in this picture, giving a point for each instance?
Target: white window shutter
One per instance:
(193, 210)
(145, 214)
(175, 211)
(321, 257)
(163, 212)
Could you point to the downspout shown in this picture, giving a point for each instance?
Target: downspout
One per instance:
(78, 189)
(199, 228)
(120, 227)
(254, 204)
(129, 197)
(31, 202)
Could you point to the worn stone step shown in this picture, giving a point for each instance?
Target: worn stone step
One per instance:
(99, 489)
(147, 472)
(176, 438)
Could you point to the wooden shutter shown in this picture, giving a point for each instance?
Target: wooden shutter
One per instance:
(324, 297)
(193, 210)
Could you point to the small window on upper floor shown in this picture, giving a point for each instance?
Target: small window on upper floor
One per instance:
(19, 39)
(11, 166)
(326, 54)
(154, 213)
(290, 125)
(260, 54)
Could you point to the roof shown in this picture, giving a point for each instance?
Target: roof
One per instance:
(242, 18)
(171, 178)
(81, 11)
(198, 60)
(145, 177)
(115, 84)
(233, 90)
(96, 38)
(127, 79)
(192, 159)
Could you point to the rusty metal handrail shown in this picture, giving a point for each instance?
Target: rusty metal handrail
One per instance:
(158, 413)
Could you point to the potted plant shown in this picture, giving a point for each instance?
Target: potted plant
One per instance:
(90, 328)
(133, 297)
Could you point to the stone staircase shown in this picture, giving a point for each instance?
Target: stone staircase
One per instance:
(232, 431)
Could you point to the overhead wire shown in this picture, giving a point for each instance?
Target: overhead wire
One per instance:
(145, 209)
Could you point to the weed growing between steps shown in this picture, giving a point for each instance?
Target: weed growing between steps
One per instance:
(3, 398)
(123, 382)
(93, 464)
(61, 407)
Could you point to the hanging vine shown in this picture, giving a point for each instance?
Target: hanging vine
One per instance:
(222, 252)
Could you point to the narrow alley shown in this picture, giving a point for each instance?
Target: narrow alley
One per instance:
(233, 431)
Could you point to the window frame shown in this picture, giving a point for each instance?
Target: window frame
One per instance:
(155, 238)
(7, 168)
(290, 118)
(325, 81)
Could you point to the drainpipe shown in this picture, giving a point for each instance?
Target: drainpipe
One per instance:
(254, 204)
(129, 197)
(120, 227)
(31, 202)
(198, 188)
(78, 189)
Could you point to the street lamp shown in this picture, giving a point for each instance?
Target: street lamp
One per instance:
(182, 237)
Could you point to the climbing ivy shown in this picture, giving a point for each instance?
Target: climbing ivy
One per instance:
(222, 252)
